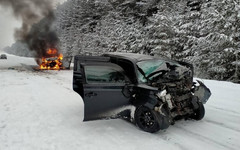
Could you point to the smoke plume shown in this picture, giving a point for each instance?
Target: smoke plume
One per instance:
(37, 17)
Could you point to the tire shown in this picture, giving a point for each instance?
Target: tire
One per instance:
(199, 113)
(149, 120)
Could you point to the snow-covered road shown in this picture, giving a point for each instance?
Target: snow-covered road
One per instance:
(40, 111)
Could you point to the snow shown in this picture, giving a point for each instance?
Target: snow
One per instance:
(39, 110)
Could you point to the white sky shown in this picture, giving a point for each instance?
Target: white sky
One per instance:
(8, 23)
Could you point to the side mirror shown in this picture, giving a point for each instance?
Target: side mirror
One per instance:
(127, 89)
(127, 82)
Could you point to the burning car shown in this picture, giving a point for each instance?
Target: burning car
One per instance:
(151, 92)
(53, 60)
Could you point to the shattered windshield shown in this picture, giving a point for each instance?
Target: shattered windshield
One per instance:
(148, 67)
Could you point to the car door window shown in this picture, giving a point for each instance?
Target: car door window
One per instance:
(104, 74)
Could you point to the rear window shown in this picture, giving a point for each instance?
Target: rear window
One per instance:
(104, 74)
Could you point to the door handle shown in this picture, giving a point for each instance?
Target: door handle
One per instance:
(90, 94)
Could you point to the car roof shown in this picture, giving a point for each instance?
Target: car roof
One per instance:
(130, 56)
(135, 57)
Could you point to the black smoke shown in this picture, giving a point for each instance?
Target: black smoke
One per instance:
(37, 18)
(41, 37)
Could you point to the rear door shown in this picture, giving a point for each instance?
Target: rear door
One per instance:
(101, 84)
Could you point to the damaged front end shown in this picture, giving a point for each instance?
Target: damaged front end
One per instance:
(182, 97)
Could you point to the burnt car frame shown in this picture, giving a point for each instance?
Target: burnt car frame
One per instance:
(151, 92)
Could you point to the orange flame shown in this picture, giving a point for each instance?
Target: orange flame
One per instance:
(52, 51)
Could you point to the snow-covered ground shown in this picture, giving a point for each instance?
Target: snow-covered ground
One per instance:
(40, 111)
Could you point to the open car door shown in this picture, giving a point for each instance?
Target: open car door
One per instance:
(101, 85)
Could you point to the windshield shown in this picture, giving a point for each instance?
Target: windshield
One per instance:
(148, 67)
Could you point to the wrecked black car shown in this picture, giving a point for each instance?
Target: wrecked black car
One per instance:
(151, 92)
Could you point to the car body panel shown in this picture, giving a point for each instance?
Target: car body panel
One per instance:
(101, 100)
(202, 92)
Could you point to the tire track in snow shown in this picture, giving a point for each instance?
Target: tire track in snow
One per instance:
(222, 125)
(168, 139)
(225, 110)
(204, 138)
(62, 81)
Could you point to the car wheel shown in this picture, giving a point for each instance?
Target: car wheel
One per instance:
(199, 113)
(149, 120)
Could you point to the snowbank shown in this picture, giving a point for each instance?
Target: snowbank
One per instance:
(39, 110)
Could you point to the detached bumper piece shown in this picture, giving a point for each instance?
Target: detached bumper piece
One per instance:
(202, 92)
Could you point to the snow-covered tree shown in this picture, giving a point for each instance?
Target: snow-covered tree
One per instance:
(205, 33)
(214, 46)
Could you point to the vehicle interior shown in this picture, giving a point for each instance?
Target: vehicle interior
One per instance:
(128, 67)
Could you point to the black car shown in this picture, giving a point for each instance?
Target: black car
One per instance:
(3, 56)
(151, 92)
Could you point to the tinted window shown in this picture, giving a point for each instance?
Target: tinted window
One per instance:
(104, 74)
